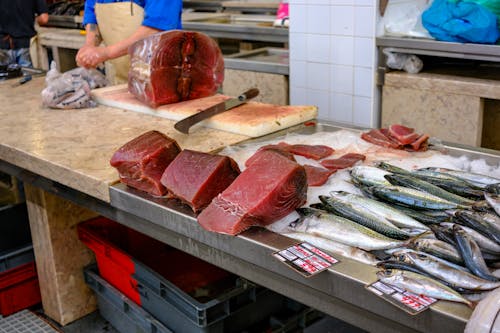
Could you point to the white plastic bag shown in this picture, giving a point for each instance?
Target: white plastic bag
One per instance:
(410, 63)
(71, 90)
(403, 18)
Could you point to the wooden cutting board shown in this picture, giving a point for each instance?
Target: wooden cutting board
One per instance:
(251, 119)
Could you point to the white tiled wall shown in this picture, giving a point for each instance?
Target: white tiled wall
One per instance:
(333, 59)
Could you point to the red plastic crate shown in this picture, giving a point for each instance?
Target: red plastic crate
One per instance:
(118, 248)
(19, 289)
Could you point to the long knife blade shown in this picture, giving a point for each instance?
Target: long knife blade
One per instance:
(184, 124)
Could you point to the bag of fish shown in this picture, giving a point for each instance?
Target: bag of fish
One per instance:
(71, 89)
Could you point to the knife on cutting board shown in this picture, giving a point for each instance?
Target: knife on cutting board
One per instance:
(184, 124)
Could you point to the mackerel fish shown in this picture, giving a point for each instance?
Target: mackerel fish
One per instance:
(484, 242)
(369, 176)
(342, 230)
(476, 179)
(362, 216)
(494, 201)
(455, 277)
(477, 222)
(437, 248)
(347, 251)
(392, 168)
(413, 198)
(450, 184)
(420, 285)
(421, 185)
(471, 254)
(391, 214)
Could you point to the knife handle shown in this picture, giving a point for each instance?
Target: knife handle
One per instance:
(249, 94)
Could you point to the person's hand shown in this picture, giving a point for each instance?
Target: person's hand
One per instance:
(91, 56)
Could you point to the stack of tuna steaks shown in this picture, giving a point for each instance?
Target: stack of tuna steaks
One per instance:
(271, 187)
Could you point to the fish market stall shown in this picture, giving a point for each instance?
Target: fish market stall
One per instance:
(63, 158)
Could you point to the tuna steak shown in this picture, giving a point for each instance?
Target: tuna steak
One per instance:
(196, 178)
(345, 161)
(142, 161)
(271, 187)
(175, 66)
(317, 176)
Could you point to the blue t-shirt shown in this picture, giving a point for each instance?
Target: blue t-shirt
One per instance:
(158, 14)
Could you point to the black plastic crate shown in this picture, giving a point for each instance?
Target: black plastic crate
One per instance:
(118, 310)
(14, 227)
(231, 310)
(15, 237)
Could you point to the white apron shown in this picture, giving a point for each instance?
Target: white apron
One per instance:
(117, 21)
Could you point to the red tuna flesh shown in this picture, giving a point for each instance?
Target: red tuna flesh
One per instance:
(420, 144)
(377, 137)
(142, 161)
(175, 66)
(317, 176)
(196, 178)
(268, 189)
(404, 135)
(345, 161)
(315, 152)
(279, 149)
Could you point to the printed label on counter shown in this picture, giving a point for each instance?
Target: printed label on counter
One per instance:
(305, 259)
(405, 300)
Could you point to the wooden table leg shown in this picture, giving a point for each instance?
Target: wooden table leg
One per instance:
(60, 256)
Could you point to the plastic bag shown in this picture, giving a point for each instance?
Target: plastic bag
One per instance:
(491, 5)
(410, 63)
(71, 90)
(402, 18)
(463, 22)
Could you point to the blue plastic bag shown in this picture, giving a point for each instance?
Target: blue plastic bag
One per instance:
(463, 22)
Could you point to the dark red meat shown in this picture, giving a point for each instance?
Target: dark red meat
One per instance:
(175, 66)
(279, 148)
(315, 152)
(196, 178)
(377, 137)
(142, 161)
(421, 143)
(317, 176)
(404, 135)
(271, 187)
(345, 161)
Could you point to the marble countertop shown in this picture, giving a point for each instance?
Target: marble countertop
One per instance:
(73, 147)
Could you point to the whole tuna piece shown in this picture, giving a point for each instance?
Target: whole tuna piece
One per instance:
(271, 187)
(175, 66)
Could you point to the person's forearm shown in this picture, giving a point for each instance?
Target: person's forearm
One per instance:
(121, 48)
(93, 36)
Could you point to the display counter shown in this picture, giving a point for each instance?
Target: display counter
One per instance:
(62, 157)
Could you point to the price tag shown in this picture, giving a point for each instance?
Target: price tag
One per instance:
(405, 300)
(306, 259)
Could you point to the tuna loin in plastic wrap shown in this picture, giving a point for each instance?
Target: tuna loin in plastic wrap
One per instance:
(174, 66)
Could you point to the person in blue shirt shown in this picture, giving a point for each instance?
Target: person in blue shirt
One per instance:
(121, 23)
